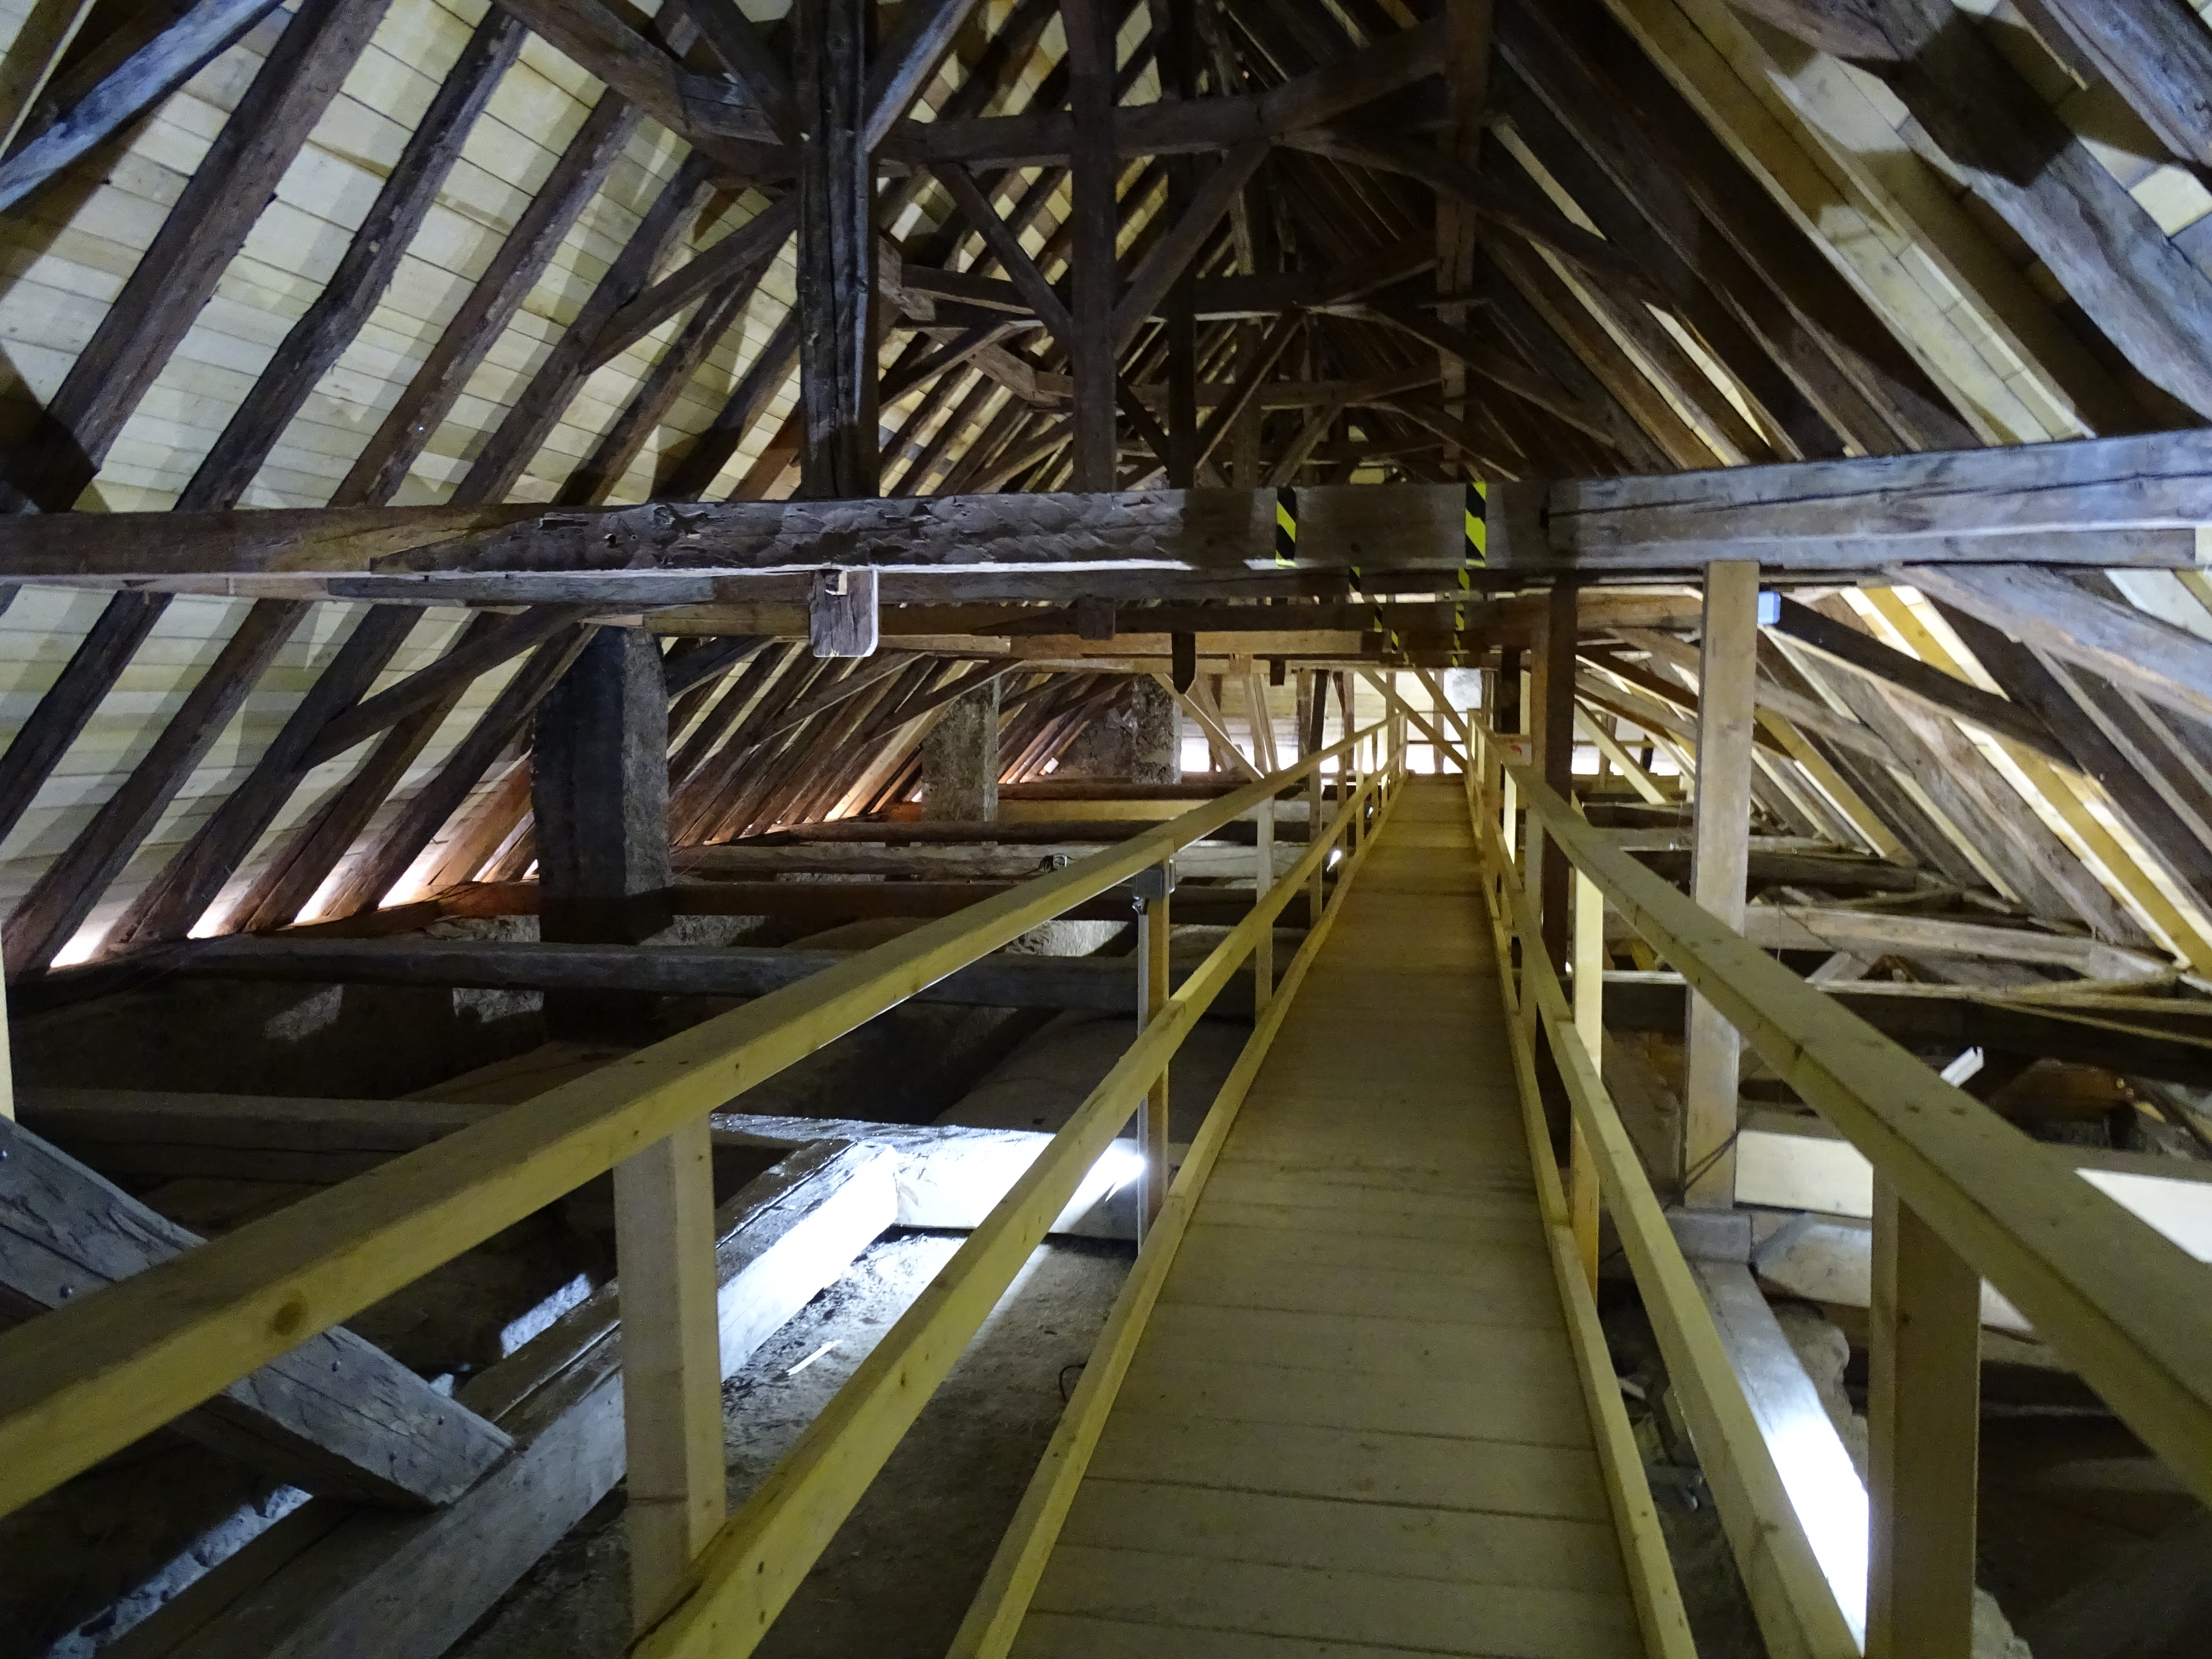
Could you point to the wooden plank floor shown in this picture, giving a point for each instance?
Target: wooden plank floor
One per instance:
(1354, 1425)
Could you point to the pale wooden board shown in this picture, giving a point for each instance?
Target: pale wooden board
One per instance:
(1355, 1465)
(1363, 1346)
(1307, 1250)
(1063, 1636)
(1514, 1287)
(1504, 1220)
(1374, 1539)
(1320, 1604)
(1354, 1417)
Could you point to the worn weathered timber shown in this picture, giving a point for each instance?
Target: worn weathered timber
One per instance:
(383, 463)
(312, 1585)
(45, 918)
(2109, 1032)
(206, 226)
(317, 339)
(337, 1415)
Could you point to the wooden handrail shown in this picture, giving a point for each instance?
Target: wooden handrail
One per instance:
(994, 1616)
(1789, 1592)
(82, 1381)
(764, 1550)
(2124, 1304)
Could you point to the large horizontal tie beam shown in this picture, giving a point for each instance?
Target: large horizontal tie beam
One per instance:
(2113, 501)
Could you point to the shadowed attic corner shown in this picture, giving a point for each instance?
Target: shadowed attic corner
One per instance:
(700, 700)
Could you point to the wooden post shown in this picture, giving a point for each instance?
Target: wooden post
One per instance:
(1153, 888)
(1923, 1422)
(1094, 267)
(1552, 730)
(960, 759)
(1728, 666)
(1156, 734)
(671, 1364)
(600, 787)
(1263, 952)
(1582, 1194)
(836, 251)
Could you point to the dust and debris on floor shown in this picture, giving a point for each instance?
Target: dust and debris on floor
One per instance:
(896, 1580)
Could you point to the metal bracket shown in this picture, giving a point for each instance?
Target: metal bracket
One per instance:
(1156, 883)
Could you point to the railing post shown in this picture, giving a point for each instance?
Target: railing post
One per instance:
(1589, 1024)
(1924, 1420)
(671, 1355)
(1712, 1050)
(1153, 888)
(1263, 951)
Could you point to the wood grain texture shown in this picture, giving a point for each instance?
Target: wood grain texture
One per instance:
(335, 1415)
(1357, 1424)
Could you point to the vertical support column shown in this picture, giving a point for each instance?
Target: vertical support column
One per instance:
(836, 251)
(960, 759)
(1156, 734)
(1727, 666)
(671, 1364)
(1923, 1423)
(599, 784)
(599, 789)
(1263, 953)
(1552, 730)
(1153, 890)
(1178, 71)
(1096, 278)
(1583, 1195)
(1509, 709)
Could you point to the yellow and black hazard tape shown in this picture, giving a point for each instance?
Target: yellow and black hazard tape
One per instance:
(1286, 526)
(1477, 554)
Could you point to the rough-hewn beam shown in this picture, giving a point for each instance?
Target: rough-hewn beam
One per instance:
(509, 639)
(45, 918)
(156, 68)
(205, 227)
(329, 326)
(383, 463)
(2103, 245)
(837, 254)
(171, 905)
(335, 1415)
(2055, 613)
(69, 703)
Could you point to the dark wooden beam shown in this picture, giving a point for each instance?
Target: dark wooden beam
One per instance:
(2105, 248)
(205, 227)
(2057, 613)
(503, 641)
(145, 72)
(1945, 692)
(335, 1415)
(69, 703)
(599, 790)
(170, 905)
(317, 339)
(538, 410)
(425, 813)
(837, 254)
(384, 462)
(46, 917)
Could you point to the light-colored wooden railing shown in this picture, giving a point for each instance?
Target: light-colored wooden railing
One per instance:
(82, 1381)
(751, 1568)
(1968, 1197)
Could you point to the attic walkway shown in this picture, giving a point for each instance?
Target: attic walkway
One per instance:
(1354, 1418)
